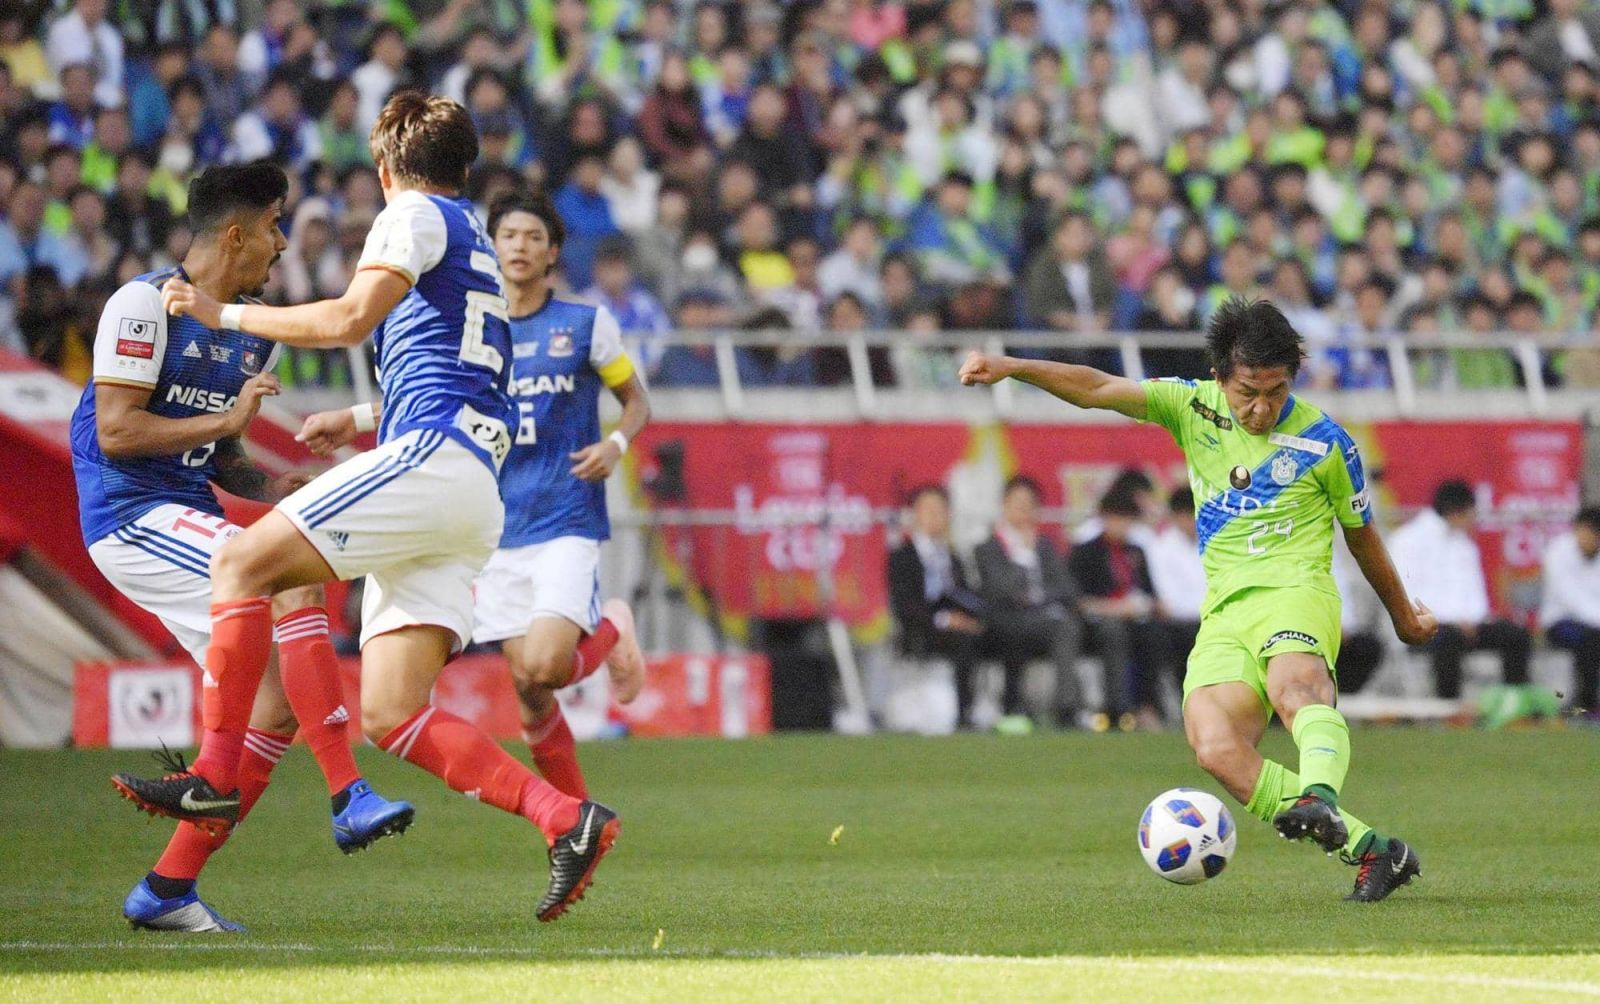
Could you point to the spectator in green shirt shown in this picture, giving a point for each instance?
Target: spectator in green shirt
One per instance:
(344, 144)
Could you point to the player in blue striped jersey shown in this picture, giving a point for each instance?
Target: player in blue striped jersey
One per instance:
(420, 514)
(539, 595)
(158, 424)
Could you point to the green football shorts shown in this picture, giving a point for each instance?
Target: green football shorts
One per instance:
(1250, 627)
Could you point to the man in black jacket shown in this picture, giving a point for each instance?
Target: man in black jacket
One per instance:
(1118, 600)
(936, 613)
(1031, 602)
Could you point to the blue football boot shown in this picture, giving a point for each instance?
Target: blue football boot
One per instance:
(188, 912)
(369, 816)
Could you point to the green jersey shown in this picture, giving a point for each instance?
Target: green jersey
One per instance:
(1264, 505)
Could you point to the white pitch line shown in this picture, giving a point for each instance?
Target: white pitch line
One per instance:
(1261, 967)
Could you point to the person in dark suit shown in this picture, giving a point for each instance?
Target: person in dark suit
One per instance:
(938, 616)
(1118, 601)
(1069, 286)
(1031, 603)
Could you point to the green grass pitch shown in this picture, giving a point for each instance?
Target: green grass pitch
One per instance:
(967, 867)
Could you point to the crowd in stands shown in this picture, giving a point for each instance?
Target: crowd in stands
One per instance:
(1380, 170)
(1127, 589)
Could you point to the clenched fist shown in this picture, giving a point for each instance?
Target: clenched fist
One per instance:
(984, 369)
(180, 298)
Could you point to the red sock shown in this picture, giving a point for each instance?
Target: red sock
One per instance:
(592, 650)
(556, 754)
(460, 754)
(311, 680)
(191, 846)
(241, 641)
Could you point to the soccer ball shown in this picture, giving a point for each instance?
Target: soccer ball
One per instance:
(1187, 835)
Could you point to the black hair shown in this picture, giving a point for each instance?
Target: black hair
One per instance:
(1589, 516)
(1380, 282)
(929, 488)
(1252, 333)
(381, 31)
(1181, 500)
(1290, 170)
(1523, 298)
(1131, 479)
(1119, 502)
(611, 249)
(1453, 496)
(848, 296)
(900, 258)
(1022, 481)
(187, 82)
(767, 319)
(224, 189)
(535, 203)
(481, 74)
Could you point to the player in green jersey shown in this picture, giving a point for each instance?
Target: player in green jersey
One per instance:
(1271, 476)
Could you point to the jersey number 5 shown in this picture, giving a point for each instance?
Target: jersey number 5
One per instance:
(527, 431)
(479, 306)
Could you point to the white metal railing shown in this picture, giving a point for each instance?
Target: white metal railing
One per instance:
(861, 397)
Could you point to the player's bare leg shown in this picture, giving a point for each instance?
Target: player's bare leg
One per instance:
(626, 659)
(1224, 723)
(268, 557)
(541, 662)
(398, 671)
(556, 653)
(546, 656)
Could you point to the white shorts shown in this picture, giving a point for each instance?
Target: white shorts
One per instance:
(555, 578)
(418, 516)
(162, 562)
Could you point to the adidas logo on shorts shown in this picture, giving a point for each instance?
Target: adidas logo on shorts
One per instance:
(340, 538)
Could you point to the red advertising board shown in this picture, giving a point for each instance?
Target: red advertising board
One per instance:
(144, 704)
(802, 500)
(770, 478)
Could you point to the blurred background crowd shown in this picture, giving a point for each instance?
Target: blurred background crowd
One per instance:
(1379, 170)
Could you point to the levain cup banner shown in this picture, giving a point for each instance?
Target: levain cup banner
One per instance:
(794, 511)
(795, 521)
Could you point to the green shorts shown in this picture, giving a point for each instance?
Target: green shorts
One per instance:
(1253, 625)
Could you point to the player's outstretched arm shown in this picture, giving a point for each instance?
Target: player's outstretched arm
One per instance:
(1083, 386)
(1413, 622)
(126, 429)
(325, 324)
(596, 461)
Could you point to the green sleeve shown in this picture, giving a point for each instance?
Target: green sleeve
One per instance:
(1166, 402)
